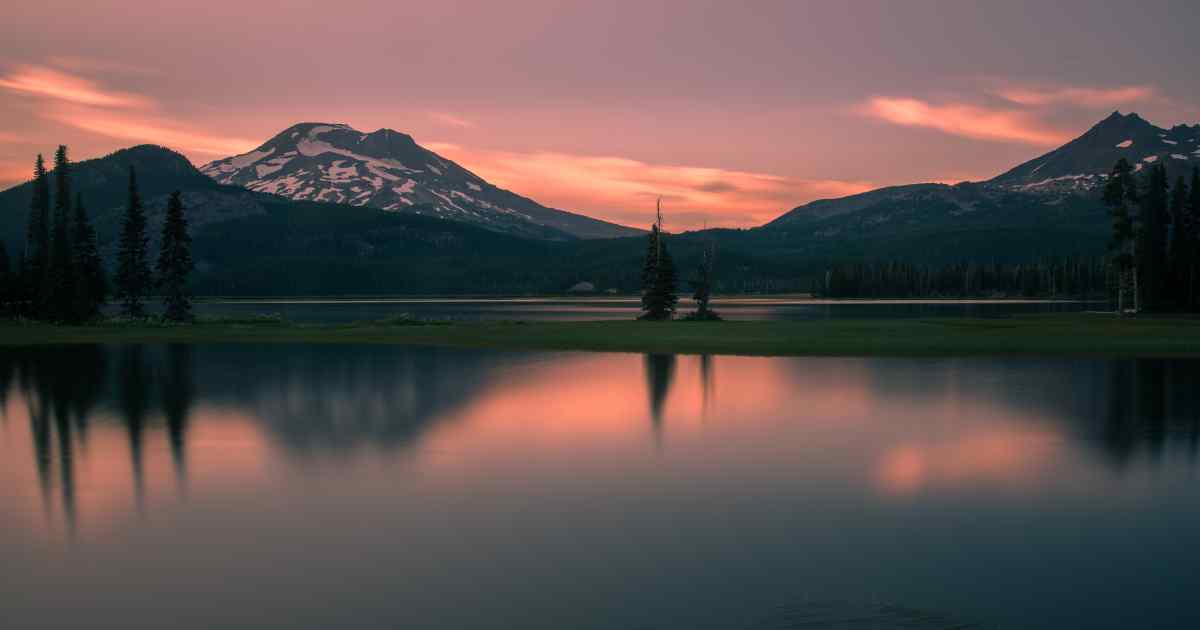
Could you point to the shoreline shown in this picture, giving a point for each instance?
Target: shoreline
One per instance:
(1074, 334)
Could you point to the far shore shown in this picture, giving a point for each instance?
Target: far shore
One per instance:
(600, 298)
(1073, 334)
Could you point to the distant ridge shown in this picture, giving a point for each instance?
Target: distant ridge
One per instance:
(1077, 168)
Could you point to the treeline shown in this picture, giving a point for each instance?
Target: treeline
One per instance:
(59, 276)
(1067, 277)
(1155, 245)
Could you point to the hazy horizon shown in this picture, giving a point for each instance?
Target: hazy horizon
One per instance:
(734, 116)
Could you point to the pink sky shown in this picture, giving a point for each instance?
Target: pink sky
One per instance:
(733, 114)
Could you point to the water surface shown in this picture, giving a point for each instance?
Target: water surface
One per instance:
(380, 486)
(581, 309)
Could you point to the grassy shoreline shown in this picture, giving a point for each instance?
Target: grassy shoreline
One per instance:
(1076, 334)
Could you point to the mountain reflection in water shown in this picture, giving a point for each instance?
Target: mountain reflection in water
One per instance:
(689, 456)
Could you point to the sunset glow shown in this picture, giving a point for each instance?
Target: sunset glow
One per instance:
(597, 109)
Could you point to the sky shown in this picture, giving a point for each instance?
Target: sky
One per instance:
(733, 112)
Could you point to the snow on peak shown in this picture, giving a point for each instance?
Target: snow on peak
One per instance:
(1125, 145)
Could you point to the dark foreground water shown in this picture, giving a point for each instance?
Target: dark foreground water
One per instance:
(386, 487)
(577, 309)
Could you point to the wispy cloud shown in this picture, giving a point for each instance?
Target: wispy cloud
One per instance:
(101, 66)
(965, 120)
(87, 105)
(48, 83)
(451, 120)
(134, 128)
(623, 190)
(1078, 96)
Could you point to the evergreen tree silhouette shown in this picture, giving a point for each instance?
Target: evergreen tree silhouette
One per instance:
(175, 262)
(37, 242)
(90, 285)
(133, 267)
(60, 275)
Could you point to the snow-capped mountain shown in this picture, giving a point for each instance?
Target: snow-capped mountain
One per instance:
(386, 169)
(1082, 163)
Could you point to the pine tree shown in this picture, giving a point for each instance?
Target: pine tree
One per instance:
(1179, 247)
(90, 286)
(6, 281)
(1151, 247)
(666, 283)
(133, 267)
(658, 275)
(650, 264)
(60, 275)
(1193, 237)
(37, 242)
(175, 262)
(1117, 193)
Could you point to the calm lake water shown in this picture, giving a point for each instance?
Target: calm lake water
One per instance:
(388, 487)
(568, 309)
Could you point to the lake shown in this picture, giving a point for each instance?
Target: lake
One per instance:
(289, 486)
(310, 310)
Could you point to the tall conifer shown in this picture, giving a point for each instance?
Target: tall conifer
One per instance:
(1179, 248)
(60, 275)
(6, 280)
(37, 242)
(1117, 193)
(1152, 238)
(175, 262)
(1193, 236)
(658, 275)
(133, 266)
(90, 286)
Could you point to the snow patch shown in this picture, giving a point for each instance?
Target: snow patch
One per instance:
(1178, 156)
(336, 172)
(1125, 145)
(476, 188)
(272, 166)
(240, 162)
(1076, 179)
(1150, 159)
(407, 187)
(1169, 141)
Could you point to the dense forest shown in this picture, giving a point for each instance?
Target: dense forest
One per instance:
(1088, 278)
(59, 275)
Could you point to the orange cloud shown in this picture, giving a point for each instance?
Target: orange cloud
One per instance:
(623, 190)
(1088, 97)
(968, 121)
(137, 129)
(86, 64)
(451, 120)
(52, 84)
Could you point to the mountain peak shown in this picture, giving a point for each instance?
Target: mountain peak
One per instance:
(387, 169)
(1117, 120)
(1082, 163)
